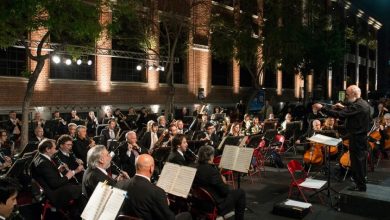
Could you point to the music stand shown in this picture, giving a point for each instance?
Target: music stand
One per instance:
(254, 140)
(290, 134)
(230, 140)
(269, 125)
(327, 142)
(18, 167)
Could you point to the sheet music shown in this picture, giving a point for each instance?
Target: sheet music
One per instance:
(326, 140)
(243, 160)
(168, 176)
(183, 182)
(113, 204)
(297, 204)
(228, 157)
(313, 183)
(96, 203)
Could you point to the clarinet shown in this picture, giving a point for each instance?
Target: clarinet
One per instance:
(65, 166)
(113, 164)
(193, 154)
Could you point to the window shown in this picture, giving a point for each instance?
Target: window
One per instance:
(72, 70)
(13, 61)
(221, 73)
(126, 70)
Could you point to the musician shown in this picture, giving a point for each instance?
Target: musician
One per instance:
(38, 135)
(256, 126)
(13, 126)
(179, 148)
(208, 177)
(150, 137)
(235, 130)
(92, 123)
(143, 118)
(180, 127)
(110, 132)
(287, 119)
(72, 130)
(316, 127)
(73, 117)
(65, 155)
(99, 160)
(8, 193)
(202, 123)
(329, 123)
(246, 124)
(6, 146)
(37, 121)
(210, 135)
(382, 110)
(240, 107)
(183, 113)
(384, 131)
(146, 200)
(128, 151)
(57, 187)
(82, 143)
(107, 117)
(314, 114)
(162, 122)
(132, 118)
(357, 115)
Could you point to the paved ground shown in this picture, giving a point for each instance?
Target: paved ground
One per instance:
(273, 187)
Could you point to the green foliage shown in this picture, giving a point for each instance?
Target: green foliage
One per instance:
(66, 20)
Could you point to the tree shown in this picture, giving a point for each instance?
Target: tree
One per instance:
(64, 19)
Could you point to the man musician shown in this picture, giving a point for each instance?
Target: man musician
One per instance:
(209, 135)
(110, 132)
(357, 122)
(82, 143)
(179, 148)
(128, 151)
(66, 156)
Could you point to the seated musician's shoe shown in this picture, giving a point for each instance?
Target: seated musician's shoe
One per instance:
(357, 189)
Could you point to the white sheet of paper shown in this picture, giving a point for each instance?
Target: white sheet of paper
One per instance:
(96, 203)
(326, 140)
(168, 176)
(297, 204)
(229, 156)
(313, 183)
(183, 183)
(113, 204)
(243, 160)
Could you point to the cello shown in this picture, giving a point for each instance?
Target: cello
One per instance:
(314, 154)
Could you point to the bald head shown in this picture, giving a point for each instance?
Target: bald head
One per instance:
(353, 92)
(144, 165)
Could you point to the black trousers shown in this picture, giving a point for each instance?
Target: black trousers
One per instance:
(358, 155)
(236, 200)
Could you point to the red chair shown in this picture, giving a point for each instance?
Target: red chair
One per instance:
(203, 204)
(228, 174)
(257, 163)
(293, 167)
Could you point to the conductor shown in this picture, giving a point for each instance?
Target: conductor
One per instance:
(357, 123)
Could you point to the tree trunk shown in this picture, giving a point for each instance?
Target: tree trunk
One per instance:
(28, 98)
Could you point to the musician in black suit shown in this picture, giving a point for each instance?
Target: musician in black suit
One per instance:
(146, 200)
(81, 144)
(65, 155)
(150, 137)
(13, 126)
(38, 135)
(209, 135)
(99, 160)
(208, 177)
(46, 172)
(179, 148)
(128, 151)
(109, 133)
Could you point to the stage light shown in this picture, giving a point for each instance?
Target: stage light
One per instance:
(162, 68)
(89, 62)
(158, 69)
(139, 67)
(151, 67)
(56, 59)
(68, 62)
(79, 62)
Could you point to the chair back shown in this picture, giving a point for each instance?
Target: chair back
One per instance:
(293, 166)
(217, 160)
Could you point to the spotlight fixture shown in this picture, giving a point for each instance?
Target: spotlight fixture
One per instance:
(151, 67)
(139, 67)
(79, 62)
(56, 59)
(158, 68)
(89, 62)
(68, 62)
(162, 68)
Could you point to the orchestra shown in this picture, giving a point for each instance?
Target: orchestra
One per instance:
(79, 159)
